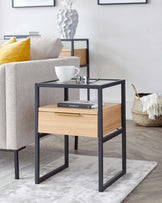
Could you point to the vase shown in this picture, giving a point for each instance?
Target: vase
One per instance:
(67, 21)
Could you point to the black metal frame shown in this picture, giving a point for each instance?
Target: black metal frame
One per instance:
(101, 138)
(32, 6)
(16, 159)
(72, 51)
(98, 1)
(82, 66)
(38, 136)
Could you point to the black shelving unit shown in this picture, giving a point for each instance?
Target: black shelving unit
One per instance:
(73, 41)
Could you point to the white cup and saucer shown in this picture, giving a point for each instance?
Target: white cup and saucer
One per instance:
(66, 73)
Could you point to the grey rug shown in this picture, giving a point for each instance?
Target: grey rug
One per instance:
(76, 184)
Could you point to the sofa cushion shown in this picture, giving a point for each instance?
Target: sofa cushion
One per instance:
(45, 48)
(10, 41)
(14, 52)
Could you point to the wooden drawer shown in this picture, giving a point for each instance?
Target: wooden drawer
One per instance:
(81, 122)
(81, 53)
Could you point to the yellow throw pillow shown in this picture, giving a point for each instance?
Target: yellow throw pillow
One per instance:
(18, 51)
(10, 41)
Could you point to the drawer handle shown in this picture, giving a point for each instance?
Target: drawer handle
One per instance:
(67, 114)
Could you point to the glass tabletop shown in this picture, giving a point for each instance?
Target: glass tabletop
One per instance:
(95, 83)
(89, 82)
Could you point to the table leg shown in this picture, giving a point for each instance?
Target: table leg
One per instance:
(38, 136)
(66, 137)
(123, 127)
(76, 143)
(38, 178)
(37, 140)
(100, 140)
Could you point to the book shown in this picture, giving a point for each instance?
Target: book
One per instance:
(78, 104)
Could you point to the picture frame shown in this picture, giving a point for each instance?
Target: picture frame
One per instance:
(117, 2)
(32, 3)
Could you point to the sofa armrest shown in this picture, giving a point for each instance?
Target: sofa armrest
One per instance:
(20, 80)
(2, 108)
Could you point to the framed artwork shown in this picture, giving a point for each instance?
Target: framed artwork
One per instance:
(111, 2)
(32, 3)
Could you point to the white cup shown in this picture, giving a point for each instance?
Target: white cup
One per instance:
(66, 73)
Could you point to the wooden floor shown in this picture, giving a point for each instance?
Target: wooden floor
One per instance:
(142, 144)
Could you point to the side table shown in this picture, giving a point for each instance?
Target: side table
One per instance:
(105, 123)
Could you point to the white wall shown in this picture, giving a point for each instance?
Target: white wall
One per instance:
(125, 40)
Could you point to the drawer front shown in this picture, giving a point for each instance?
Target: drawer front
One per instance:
(68, 124)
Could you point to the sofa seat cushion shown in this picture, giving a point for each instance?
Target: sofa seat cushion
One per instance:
(45, 48)
(15, 52)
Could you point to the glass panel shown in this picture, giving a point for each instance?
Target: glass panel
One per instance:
(97, 82)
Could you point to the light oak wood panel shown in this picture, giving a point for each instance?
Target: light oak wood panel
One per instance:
(81, 122)
(82, 125)
(111, 118)
(54, 108)
(81, 53)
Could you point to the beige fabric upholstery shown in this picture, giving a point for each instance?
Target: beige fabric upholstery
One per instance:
(2, 107)
(17, 80)
(45, 48)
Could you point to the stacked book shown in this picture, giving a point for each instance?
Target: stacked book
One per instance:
(34, 34)
(78, 104)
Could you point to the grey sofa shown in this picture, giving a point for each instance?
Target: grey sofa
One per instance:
(17, 82)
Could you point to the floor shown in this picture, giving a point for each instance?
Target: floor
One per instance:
(142, 144)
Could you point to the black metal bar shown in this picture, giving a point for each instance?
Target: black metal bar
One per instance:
(43, 135)
(100, 140)
(16, 164)
(66, 137)
(112, 79)
(66, 94)
(65, 99)
(88, 69)
(48, 175)
(57, 85)
(16, 159)
(59, 169)
(112, 135)
(83, 66)
(13, 5)
(48, 81)
(76, 143)
(88, 73)
(127, 3)
(112, 84)
(123, 113)
(39, 179)
(12, 150)
(72, 47)
(112, 180)
(37, 139)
